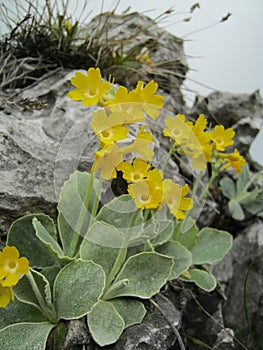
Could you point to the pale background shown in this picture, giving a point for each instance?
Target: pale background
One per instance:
(225, 56)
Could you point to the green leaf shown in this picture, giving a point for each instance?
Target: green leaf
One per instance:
(77, 288)
(181, 256)
(132, 311)
(146, 272)
(188, 238)
(162, 232)
(101, 245)
(105, 323)
(50, 273)
(118, 212)
(228, 187)
(243, 179)
(201, 278)
(25, 336)
(235, 210)
(23, 235)
(255, 208)
(23, 290)
(47, 239)
(75, 206)
(18, 312)
(211, 246)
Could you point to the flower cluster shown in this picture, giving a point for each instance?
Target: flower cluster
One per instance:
(123, 110)
(11, 269)
(203, 145)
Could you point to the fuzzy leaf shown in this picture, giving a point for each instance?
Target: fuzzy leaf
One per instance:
(47, 239)
(25, 336)
(201, 278)
(211, 246)
(77, 288)
(101, 245)
(228, 187)
(118, 213)
(105, 323)
(132, 311)
(243, 179)
(24, 292)
(181, 256)
(235, 210)
(18, 312)
(146, 272)
(189, 236)
(162, 232)
(74, 207)
(23, 235)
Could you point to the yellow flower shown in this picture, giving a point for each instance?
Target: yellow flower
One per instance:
(222, 138)
(131, 111)
(136, 102)
(90, 88)
(146, 95)
(177, 129)
(106, 160)
(6, 293)
(141, 144)
(108, 128)
(174, 198)
(199, 148)
(146, 194)
(136, 171)
(234, 160)
(11, 266)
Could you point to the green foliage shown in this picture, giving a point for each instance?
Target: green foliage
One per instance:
(241, 196)
(100, 264)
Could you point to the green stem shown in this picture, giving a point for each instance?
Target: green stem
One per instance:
(47, 312)
(205, 190)
(122, 254)
(81, 218)
(96, 202)
(170, 153)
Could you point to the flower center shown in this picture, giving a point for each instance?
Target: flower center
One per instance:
(11, 266)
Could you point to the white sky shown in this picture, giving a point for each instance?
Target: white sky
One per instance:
(226, 57)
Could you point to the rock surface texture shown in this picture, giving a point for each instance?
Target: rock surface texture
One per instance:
(40, 149)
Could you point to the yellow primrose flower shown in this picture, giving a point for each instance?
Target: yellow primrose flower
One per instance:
(131, 111)
(174, 198)
(11, 266)
(177, 129)
(146, 194)
(151, 102)
(234, 160)
(222, 138)
(102, 121)
(6, 293)
(90, 88)
(113, 134)
(106, 160)
(141, 144)
(136, 171)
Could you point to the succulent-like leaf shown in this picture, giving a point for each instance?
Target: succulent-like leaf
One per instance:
(101, 245)
(211, 246)
(25, 336)
(47, 239)
(23, 235)
(132, 311)
(146, 272)
(18, 312)
(181, 256)
(201, 278)
(24, 292)
(75, 206)
(105, 323)
(77, 288)
(228, 187)
(236, 210)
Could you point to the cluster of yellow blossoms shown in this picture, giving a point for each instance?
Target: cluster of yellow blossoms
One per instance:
(11, 269)
(121, 110)
(203, 145)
